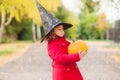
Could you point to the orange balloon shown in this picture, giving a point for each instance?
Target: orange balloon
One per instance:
(77, 46)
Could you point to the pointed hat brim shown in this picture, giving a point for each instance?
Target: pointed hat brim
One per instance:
(65, 26)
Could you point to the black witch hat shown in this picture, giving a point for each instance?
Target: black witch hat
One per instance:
(49, 21)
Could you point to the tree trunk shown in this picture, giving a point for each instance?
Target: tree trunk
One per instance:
(1, 35)
(38, 32)
(107, 34)
(33, 33)
(3, 23)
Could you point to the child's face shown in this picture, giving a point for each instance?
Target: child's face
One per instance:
(59, 31)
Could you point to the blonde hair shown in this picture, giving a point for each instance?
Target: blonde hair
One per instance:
(50, 36)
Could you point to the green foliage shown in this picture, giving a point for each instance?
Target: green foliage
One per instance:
(18, 30)
(9, 34)
(87, 29)
(26, 31)
(71, 33)
(61, 14)
(89, 6)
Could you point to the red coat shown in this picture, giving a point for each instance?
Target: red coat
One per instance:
(64, 65)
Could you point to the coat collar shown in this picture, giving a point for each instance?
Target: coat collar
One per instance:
(58, 37)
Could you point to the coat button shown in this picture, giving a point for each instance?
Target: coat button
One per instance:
(63, 44)
(68, 69)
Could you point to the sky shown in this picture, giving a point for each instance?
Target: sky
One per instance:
(112, 10)
(72, 5)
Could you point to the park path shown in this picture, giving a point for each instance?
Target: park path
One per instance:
(98, 64)
(35, 64)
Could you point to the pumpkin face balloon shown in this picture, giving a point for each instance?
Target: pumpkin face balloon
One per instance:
(77, 46)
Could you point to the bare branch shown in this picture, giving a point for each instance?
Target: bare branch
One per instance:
(2, 17)
(11, 16)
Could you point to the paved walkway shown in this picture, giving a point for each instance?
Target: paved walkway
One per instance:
(98, 64)
(36, 65)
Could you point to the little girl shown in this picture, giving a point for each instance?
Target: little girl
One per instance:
(64, 65)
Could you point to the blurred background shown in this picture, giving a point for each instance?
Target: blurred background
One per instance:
(95, 21)
(92, 19)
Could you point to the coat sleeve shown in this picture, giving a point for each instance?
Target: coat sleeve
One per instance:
(58, 55)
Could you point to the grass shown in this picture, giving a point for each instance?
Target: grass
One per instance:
(5, 52)
(96, 40)
(24, 41)
(114, 45)
(10, 48)
(117, 47)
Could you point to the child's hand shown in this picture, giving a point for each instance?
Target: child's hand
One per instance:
(82, 53)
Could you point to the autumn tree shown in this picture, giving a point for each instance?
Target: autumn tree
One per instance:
(102, 24)
(4, 19)
(17, 9)
(9, 10)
